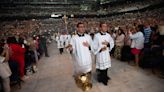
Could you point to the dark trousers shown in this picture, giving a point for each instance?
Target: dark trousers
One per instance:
(147, 45)
(1, 88)
(102, 76)
(46, 51)
(61, 50)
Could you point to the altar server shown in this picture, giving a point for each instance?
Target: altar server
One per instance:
(103, 44)
(80, 45)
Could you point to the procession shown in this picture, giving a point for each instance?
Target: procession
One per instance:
(81, 46)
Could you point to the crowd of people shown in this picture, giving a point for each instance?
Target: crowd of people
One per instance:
(141, 45)
(21, 47)
(134, 35)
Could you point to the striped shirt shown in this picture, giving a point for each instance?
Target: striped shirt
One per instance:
(147, 32)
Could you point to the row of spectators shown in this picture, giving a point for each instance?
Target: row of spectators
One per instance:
(28, 38)
(131, 4)
(23, 49)
(72, 9)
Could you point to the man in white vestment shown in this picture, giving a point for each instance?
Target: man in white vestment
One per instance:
(103, 44)
(80, 45)
(67, 42)
(67, 39)
(60, 43)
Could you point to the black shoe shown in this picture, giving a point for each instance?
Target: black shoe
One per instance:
(108, 78)
(99, 80)
(105, 83)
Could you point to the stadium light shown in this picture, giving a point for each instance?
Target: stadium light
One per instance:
(54, 15)
(72, 15)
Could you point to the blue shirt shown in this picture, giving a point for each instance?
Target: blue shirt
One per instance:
(147, 32)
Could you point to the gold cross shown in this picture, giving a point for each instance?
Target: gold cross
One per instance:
(65, 19)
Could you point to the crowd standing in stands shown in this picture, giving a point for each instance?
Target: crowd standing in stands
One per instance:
(135, 33)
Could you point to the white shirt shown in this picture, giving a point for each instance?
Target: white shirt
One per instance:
(120, 40)
(137, 40)
(81, 54)
(103, 60)
(4, 68)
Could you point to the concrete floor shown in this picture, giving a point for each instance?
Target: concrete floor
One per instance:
(55, 75)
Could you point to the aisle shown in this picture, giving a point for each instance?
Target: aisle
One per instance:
(55, 75)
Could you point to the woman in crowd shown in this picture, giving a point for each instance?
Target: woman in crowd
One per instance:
(119, 43)
(33, 51)
(17, 54)
(5, 71)
(137, 43)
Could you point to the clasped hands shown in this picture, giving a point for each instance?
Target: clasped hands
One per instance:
(69, 47)
(105, 43)
(86, 44)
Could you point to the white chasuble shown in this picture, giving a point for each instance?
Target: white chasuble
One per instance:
(103, 60)
(60, 41)
(81, 54)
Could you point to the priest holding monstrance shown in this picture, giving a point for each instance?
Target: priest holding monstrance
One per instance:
(80, 45)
